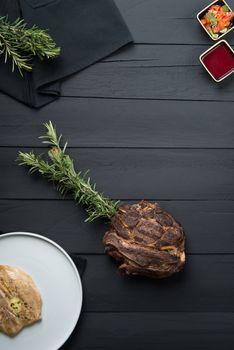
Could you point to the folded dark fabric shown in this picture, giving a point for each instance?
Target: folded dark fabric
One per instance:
(78, 261)
(86, 31)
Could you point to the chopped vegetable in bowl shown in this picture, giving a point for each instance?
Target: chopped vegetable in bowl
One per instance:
(217, 20)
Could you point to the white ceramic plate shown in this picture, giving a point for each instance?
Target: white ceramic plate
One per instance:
(58, 280)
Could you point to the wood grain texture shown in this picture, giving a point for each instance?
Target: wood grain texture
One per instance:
(209, 225)
(152, 21)
(87, 122)
(205, 284)
(148, 82)
(141, 331)
(138, 174)
(149, 123)
(160, 55)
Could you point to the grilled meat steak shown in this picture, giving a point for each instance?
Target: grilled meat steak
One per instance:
(143, 237)
(146, 240)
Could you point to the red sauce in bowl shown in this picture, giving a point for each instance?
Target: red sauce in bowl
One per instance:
(219, 61)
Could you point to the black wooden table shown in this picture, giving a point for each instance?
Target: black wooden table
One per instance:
(149, 123)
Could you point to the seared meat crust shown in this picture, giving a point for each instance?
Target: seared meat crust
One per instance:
(146, 240)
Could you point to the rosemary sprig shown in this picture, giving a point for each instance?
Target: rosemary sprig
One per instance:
(21, 43)
(60, 170)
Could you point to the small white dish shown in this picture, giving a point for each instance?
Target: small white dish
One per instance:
(219, 61)
(59, 283)
(202, 13)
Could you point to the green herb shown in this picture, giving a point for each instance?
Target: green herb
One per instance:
(225, 8)
(212, 19)
(224, 30)
(215, 36)
(20, 43)
(60, 170)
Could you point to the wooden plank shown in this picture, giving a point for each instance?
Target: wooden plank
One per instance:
(209, 226)
(147, 82)
(128, 123)
(156, 55)
(152, 21)
(205, 284)
(198, 330)
(183, 174)
(161, 55)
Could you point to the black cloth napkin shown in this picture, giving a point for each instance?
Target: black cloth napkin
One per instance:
(78, 261)
(86, 31)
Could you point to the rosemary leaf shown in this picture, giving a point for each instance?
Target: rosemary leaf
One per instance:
(60, 170)
(20, 43)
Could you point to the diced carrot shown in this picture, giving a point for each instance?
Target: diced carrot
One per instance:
(226, 21)
(215, 30)
(215, 7)
(221, 26)
(223, 19)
